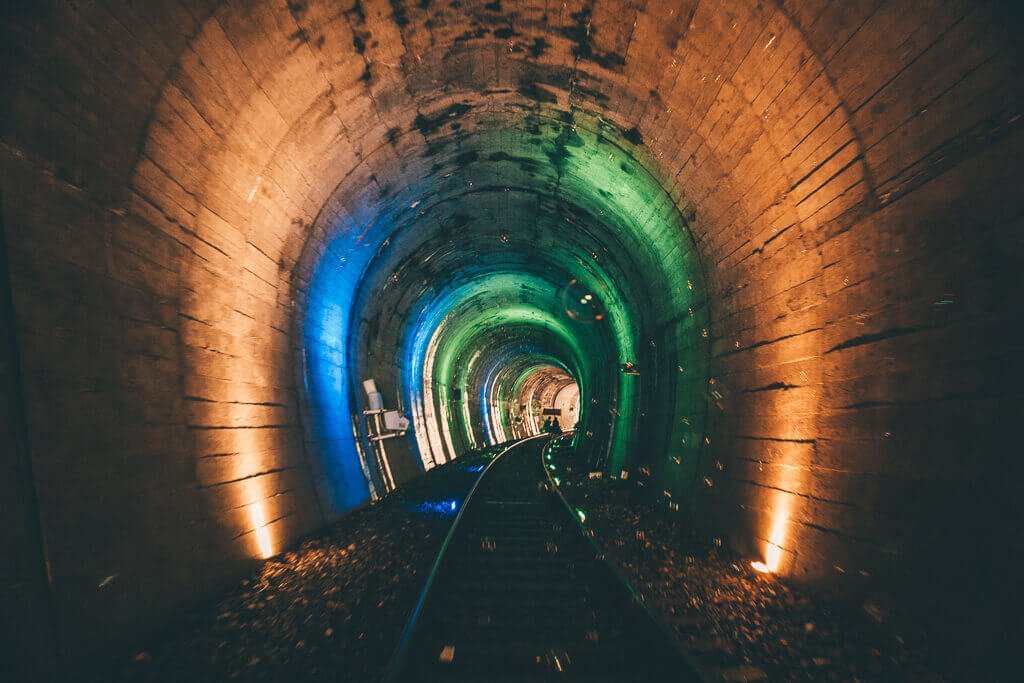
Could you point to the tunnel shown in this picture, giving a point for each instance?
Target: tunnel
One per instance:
(267, 265)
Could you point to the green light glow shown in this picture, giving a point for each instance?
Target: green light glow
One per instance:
(523, 205)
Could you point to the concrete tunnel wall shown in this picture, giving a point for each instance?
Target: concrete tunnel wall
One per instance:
(452, 286)
(172, 172)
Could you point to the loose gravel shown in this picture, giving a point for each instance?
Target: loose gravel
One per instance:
(331, 609)
(737, 624)
(334, 607)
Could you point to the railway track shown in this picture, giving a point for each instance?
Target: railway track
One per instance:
(520, 593)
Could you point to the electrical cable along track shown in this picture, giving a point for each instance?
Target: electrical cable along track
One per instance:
(520, 593)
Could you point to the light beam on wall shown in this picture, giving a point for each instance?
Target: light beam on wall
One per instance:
(259, 523)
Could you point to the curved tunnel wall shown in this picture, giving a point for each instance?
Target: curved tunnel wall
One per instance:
(512, 215)
(175, 172)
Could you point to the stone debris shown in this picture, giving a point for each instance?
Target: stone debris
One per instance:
(737, 624)
(332, 609)
(743, 674)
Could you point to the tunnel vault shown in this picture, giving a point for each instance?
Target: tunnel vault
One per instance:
(255, 205)
(516, 223)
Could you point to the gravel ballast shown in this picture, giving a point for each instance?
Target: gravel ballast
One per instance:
(331, 609)
(737, 624)
(334, 607)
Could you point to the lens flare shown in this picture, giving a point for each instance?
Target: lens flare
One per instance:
(582, 303)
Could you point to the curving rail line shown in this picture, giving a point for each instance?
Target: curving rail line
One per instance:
(519, 592)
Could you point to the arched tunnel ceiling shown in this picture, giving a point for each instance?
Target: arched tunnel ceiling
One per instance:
(292, 139)
(177, 175)
(533, 195)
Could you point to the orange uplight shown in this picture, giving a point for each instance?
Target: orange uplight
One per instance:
(773, 555)
(773, 558)
(773, 549)
(262, 533)
(785, 468)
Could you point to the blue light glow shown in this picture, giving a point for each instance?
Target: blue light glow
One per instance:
(446, 508)
(325, 331)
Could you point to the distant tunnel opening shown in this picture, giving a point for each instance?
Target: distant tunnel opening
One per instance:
(530, 241)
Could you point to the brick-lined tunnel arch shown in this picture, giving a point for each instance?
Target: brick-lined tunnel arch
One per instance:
(175, 174)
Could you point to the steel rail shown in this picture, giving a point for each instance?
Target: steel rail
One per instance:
(620, 578)
(398, 660)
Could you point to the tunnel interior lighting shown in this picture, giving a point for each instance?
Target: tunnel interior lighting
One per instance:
(773, 557)
(484, 308)
(259, 523)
